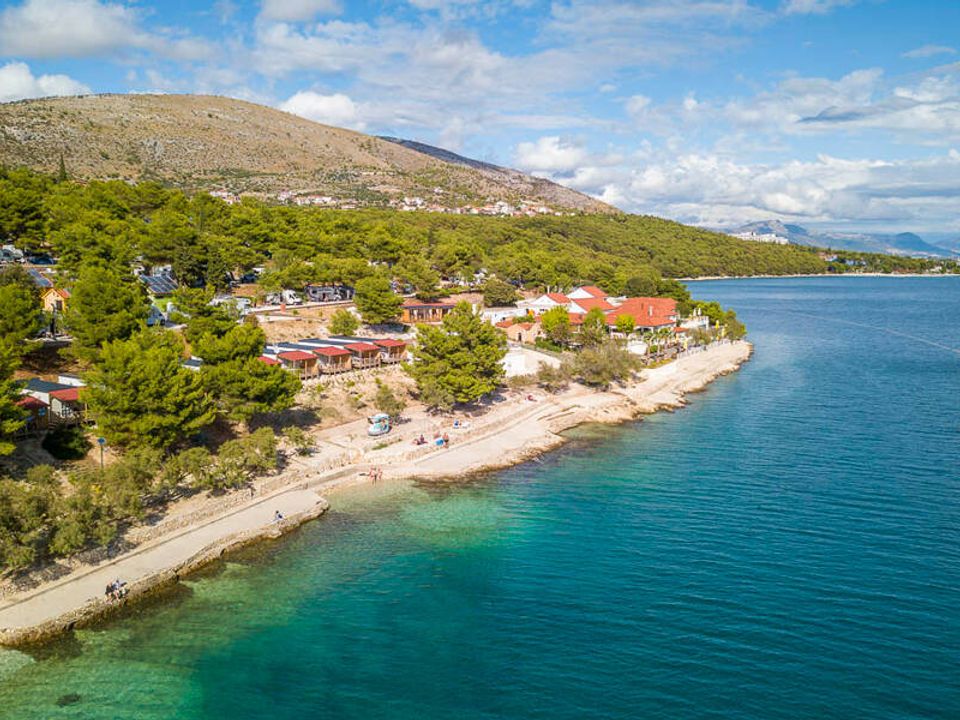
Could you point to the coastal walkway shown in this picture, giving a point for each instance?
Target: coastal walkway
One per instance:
(58, 598)
(510, 434)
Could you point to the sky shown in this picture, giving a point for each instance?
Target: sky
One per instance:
(832, 114)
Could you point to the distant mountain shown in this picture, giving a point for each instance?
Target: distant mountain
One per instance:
(952, 244)
(203, 142)
(891, 244)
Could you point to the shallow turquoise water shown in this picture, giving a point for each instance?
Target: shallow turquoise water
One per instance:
(788, 546)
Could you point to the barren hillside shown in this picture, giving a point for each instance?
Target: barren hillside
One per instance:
(216, 143)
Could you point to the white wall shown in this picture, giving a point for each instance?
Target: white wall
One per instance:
(523, 361)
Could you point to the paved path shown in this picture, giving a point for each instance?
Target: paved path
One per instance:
(73, 590)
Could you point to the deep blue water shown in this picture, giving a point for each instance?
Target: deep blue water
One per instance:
(788, 546)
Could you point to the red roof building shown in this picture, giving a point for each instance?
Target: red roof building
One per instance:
(268, 360)
(332, 360)
(296, 355)
(391, 351)
(647, 312)
(331, 351)
(588, 304)
(29, 402)
(585, 291)
(67, 395)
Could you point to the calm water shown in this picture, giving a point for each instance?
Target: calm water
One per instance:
(786, 547)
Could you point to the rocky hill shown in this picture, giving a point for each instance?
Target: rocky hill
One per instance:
(200, 142)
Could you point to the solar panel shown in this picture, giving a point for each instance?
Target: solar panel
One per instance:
(160, 284)
(40, 279)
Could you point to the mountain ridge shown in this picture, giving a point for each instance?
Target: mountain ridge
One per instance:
(209, 142)
(905, 243)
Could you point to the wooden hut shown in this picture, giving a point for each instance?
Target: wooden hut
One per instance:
(300, 361)
(333, 360)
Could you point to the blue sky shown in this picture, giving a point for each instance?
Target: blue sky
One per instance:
(841, 114)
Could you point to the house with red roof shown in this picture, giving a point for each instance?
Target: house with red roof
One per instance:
(55, 299)
(648, 313)
(585, 292)
(36, 414)
(365, 354)
(585, 305)
(61, 398)
(302, 362)
(545, 302)
(524, 332)
(333, 360)
(391, 351)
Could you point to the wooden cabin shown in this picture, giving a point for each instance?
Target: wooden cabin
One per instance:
(365, 355)
(302, 362)
(391, 351)
(36, 415)
(66, 408)
(415, 311)
(333, 360)
(55, 300)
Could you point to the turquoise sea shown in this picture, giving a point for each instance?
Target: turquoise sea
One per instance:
(788, 546)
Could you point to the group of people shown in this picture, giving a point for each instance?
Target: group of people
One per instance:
(375, 473)
(438, 440)
(116, 590)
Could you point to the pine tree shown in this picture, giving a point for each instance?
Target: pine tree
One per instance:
(103, 306)
(376, 301)
(458, 361)
(11, 414)
(343, 322)
(140, 395)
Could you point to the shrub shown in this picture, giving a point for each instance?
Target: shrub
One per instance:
(67, 443)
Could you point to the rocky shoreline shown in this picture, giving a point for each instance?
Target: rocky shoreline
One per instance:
(526, 432)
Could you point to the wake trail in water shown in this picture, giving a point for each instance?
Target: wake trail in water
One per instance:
(889, 331)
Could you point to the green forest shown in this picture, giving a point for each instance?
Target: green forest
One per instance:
(204, 239)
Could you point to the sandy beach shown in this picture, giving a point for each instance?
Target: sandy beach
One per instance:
(515, 428)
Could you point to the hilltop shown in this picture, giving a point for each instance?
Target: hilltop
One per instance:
(201, 142)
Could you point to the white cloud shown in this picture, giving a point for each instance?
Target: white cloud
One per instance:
(709, 189)
(922, 107)
(67, 28)
(637, 104)
(813, 7)
(298, 10)
(550, 154)
(925, 51)
(338, 109)
(18, 83)
(88, 28)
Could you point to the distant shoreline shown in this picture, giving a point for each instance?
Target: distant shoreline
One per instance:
(817, 275)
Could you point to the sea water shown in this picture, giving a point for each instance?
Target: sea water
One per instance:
(788, 546)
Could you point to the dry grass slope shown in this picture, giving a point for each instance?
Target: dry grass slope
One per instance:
(201, 142)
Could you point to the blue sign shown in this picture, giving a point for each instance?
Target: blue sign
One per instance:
(102, 441)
